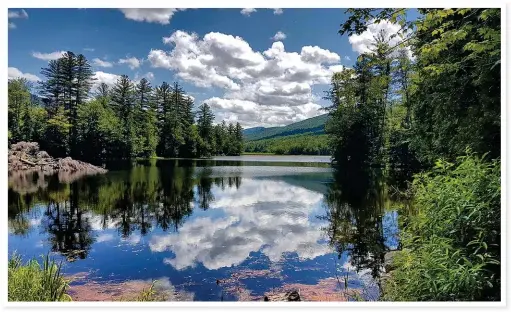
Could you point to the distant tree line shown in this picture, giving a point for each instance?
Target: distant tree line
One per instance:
(130, 119)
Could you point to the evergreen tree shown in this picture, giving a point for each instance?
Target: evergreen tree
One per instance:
(188, 149)
(205, 119)
(163, 98)
(175, 120)
(52, 87)
(102, 93)
(146, 120)
(82, 84)
(123, 100)
(238, 135)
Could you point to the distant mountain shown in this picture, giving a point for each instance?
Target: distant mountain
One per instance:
(253, 130)
(315, 125)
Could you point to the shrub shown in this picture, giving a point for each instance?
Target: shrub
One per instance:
(33, 282)
(451, 241)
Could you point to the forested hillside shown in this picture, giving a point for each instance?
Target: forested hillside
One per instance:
(306, 137)
(315, 125)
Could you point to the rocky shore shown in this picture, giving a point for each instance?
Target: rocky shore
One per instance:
(26, 157)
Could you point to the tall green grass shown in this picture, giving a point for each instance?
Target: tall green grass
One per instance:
(149, 294)
(36, 282)
(451, 241)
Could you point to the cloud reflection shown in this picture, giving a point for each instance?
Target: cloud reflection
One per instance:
(273, 217)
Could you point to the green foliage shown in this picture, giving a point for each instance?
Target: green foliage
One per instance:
(451, 243)
(440, 103)
(33, 282)
(300, 144)
(56, 137)
(451, 90)
(18, 107)
(457, 98)
(100, 131)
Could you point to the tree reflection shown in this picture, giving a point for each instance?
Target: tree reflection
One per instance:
(355, 206)
(68, 226)
(155, 193)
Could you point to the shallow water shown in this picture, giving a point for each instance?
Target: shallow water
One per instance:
(209, 230)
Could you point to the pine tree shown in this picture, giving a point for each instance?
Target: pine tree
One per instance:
(175, 121)
(163, 98)
(205, 128)
(231, 134)
(123, 102)
(82, 84)
(145, 121)
(52, 87)
(188, 149)
(238, 134)
(102, 93)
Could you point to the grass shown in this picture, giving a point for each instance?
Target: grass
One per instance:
(35, 282)
(149, 294)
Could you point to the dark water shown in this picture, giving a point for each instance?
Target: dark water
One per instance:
(254, 225)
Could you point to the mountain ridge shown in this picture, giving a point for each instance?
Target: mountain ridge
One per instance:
(312, 126)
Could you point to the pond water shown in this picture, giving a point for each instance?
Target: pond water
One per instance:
(209, 230)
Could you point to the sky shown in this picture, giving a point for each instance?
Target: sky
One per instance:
(259, 67)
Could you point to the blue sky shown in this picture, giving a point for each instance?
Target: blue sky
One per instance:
(228, 58)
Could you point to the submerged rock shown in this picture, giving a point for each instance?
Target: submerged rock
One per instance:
(286, 296)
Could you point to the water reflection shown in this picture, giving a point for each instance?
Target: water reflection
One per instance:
(271, 217)
(362, 219)
(198, 221)
(130, 201)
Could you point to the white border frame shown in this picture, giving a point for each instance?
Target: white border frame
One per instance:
(257, 4)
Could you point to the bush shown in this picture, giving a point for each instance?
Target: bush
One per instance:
(31, 282)
(451, 242)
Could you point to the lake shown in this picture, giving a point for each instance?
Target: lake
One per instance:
(228, 228)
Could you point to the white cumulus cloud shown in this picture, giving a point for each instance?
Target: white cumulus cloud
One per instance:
(276, 80)
(101, 63)
(14, 73)
(279, 36)
(108, 78)
(248, 11)
(48, 56)
(132, 62)
(160, 16)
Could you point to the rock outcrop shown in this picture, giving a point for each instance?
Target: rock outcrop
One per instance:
(26, 156)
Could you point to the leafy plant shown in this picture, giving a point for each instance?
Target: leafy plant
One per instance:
(33, 282)
(451, 242)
